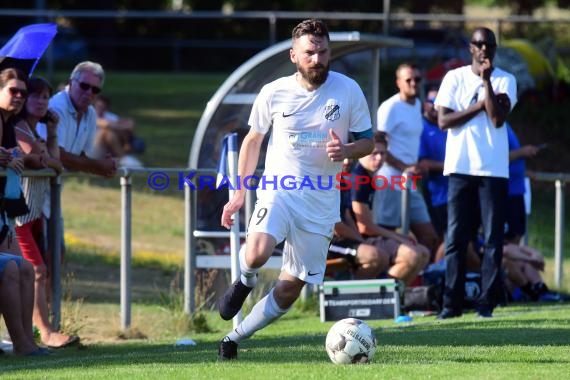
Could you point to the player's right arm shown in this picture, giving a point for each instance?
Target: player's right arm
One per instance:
(247, 163)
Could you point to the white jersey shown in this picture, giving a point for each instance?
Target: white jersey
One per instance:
(296, 152)
(477, 148)
(402, 122)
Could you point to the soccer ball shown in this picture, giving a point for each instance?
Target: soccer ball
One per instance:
(350, 341)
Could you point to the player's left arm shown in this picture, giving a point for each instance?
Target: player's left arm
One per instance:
(362, 146)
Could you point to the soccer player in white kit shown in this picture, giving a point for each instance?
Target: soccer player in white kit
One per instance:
(312, 113)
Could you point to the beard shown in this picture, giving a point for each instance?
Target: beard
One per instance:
(316, 75)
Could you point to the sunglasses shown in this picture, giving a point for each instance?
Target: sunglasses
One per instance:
(86, 87)
(415, 79)
(479, 44)
(16, 90)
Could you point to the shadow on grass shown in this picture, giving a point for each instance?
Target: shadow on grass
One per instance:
(415, 341)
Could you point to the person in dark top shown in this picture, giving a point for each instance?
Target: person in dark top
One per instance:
(407, 257)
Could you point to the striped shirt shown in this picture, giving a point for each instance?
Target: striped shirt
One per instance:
(35, 189)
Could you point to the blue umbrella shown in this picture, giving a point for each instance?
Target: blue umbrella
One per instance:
(27, 46)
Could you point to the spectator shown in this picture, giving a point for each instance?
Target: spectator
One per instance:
(473, 103)
(523, 266)
(13, 93)
(406, 257)
(29, 227)
(365, 259)
(115, 135)
(516, 211)
(400, 118)
(17, 302)
(431, 158)
(77, 125)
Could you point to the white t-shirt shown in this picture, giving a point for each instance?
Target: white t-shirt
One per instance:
(477, 148)
(301, 121)
(402, 122)
(74, 139)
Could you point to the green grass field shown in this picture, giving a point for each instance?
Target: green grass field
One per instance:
(524, 342)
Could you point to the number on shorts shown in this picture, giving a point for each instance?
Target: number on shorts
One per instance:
(261, 214)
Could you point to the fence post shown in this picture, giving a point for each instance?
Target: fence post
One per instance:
(126, 196)
(405, 214)
(235, 229)
(559, 234)
(55, 240)
(190, 249)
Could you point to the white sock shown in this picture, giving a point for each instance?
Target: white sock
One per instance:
(263, 313)
(248, 275)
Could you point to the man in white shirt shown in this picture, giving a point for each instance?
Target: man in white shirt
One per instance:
(78, 121)
(400, 117)
(473, 103)
(311, 114)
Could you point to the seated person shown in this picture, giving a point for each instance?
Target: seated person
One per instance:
(523, 266)
(408, 258)
(115, 134)
(17, 303)
(363, 260)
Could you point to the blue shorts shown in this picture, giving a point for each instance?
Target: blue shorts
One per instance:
(387, 208)
(5, 258)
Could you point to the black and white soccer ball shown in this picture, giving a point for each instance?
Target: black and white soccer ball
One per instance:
(350, 341)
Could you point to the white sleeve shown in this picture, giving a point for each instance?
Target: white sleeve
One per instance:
(260, 118)
(383, 117)
(445, 95)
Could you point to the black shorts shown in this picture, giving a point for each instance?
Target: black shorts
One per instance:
(345, 248)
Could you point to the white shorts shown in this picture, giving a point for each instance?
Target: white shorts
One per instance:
(304, 253)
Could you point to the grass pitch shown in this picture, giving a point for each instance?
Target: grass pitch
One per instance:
(520, 342)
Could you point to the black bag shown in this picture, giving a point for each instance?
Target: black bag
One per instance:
(423, 298)
(15, 207)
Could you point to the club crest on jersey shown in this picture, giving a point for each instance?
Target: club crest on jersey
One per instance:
(332, 112)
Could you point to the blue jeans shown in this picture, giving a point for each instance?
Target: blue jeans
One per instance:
(469, 197)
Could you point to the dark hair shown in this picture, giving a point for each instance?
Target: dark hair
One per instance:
(35, 86)
(39, 84)
(380, 137)
(11, 73)
(313, 27)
